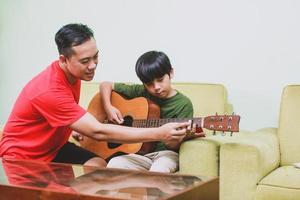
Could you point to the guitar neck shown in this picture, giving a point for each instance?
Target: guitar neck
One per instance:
(141, 123)
(216, 123)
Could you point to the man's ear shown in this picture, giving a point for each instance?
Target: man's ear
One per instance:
(171, 73)
(62, 60)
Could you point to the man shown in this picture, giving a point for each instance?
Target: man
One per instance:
(47, 109)
(155, 72)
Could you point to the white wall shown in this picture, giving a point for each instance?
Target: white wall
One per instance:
(252, 47)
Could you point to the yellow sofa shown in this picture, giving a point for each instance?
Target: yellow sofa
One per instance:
(260, 165)
(198, 156)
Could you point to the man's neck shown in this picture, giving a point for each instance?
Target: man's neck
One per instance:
(68, 75)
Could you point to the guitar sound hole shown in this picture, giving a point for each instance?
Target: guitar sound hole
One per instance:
(112, 145)
(128, 120)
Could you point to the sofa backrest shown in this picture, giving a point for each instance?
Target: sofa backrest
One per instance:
(289, 125)
(207, 99)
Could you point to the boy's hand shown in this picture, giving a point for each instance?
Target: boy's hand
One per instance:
(173, 132)
(114, 115)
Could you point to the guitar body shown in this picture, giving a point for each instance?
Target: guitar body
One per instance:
(137, 108)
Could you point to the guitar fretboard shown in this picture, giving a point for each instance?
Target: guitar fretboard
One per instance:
(141, 123)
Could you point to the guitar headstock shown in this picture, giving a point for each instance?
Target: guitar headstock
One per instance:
(225, 123)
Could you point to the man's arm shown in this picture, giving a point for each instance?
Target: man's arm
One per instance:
(113, 114)
(90, 127)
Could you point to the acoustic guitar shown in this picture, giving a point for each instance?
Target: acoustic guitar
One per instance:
(141, 112)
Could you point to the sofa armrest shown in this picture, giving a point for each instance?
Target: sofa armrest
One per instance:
(245, 161)
(201, 156)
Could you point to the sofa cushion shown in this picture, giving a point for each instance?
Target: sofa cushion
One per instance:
(286, 176)
(282, 183)
(289, 125)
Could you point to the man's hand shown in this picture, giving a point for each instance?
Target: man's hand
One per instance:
(191, 132)
(173, 132)
(114, 115)
(77, 136)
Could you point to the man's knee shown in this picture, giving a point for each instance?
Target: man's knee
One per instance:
(96, 162)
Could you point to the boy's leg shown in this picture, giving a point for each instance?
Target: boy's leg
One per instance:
(71, 153)
(130, 161)
(165, 161)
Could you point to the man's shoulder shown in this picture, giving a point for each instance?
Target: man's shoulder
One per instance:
(48, 82)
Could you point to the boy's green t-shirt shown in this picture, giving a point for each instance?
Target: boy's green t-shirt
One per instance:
(178, 106)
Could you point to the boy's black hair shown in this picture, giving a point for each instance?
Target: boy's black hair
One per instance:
(152, 65)
(72, 35)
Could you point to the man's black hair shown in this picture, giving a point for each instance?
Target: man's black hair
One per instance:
(152, 65)
(72, 35)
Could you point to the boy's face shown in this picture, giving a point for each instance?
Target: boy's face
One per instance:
(161, 87)
(82, 63)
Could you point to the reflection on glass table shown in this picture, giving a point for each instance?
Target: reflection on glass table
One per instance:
(77, 179)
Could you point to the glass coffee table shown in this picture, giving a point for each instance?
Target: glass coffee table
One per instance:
(21, 179)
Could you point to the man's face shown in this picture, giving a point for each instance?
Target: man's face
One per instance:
(160, 87)
(82, 63)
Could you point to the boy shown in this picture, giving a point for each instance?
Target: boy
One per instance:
(155, 71)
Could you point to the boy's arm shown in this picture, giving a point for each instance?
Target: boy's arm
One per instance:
(113, 114)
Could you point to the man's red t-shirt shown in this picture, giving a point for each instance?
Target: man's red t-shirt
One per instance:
(38, 125)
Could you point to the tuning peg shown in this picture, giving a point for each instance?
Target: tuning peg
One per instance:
(214, 133)
(223, 133)
(231, 134)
